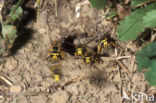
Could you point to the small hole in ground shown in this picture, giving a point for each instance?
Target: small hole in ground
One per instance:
(68, 44)
(143, 38)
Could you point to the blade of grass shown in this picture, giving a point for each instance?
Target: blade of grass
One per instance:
(14, 9)
(56, 8)
(141, 4)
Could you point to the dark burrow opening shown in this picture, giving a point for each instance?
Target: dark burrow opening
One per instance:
(68, 44)
(144, 38)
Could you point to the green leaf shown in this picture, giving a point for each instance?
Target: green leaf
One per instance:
(15, 14)
(100, 4)
(2, 46)
(150, 19)
(133, 24)
(146, 59)
(9, 32)
(18, 12)
(136, 2)
(143, 57)
(151, 74)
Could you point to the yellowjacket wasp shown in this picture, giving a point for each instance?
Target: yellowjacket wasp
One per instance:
(79, 52)
(89, 57)
(56, 72)
(55, 51)
(103, 44)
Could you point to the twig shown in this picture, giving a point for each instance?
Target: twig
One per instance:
(153, 36)
(120, 94)
(144, 41)
(71, 81)
(90, 40)
(123, 57)
(7, 81)
(132, 65)
(141, 4)
(25, 93)
(120, 90)
(116, 58)
(127, 1)
(122, 66)
(24, 79)
(56, 8)
(83, 3)
(1, 6)
(42, 92)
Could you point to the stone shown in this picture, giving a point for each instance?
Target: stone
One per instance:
(38, 99)
(61, 96)
(15, 88)
(10, 64)
(22, 99)
(42, 30)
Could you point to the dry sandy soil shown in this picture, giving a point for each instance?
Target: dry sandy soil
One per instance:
(29, 72)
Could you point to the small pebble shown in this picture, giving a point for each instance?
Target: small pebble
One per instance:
(15, 88)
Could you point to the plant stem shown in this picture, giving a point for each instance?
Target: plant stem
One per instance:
(56, 8)
(14, 9)
(148, 1)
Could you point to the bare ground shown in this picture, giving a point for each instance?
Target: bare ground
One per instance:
(104, 82)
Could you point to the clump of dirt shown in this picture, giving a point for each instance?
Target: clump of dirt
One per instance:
(29, 72)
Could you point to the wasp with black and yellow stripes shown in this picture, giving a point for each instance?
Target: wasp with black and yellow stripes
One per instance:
(104, 43)
(79, 52)
(56, 72)
(55, 51)
(89, 58)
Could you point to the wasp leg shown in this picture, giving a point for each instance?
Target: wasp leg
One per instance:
(99, 49)
(50, 50)
(62, 55)
(54, 43)
(75, 54)
(48, 56)
(53, 59)
(113, 44)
